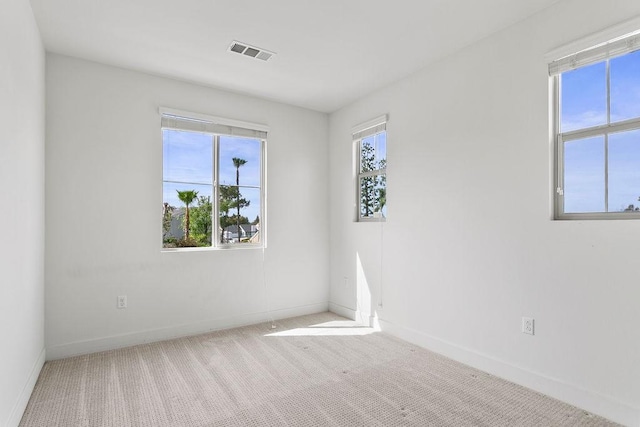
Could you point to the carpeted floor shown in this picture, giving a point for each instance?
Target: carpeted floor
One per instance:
(318, 370)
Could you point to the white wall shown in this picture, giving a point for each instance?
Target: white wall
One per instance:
(22, 212)
(469, 246)
(104, 199)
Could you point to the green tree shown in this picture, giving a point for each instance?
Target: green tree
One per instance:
(257, 220)
(187, 197)
(230, 198)
(381, 189)
(373, 188)
(382, 197)
(167, 214)
(237, 163)
(368, 183)
(201, 222)
(632, 208)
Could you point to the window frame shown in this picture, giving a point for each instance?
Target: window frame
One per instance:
(360, 132)
(605, 130)
(215, 203)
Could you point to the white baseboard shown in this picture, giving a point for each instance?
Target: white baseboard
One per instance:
(343, 311)
(77, 348)
(596, 403)
(358, 315)
(25, 394)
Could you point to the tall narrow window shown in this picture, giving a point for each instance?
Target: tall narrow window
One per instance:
(597, 128)
(370, 141)
(213, 182)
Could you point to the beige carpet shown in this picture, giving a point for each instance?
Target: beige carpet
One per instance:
(317, 370)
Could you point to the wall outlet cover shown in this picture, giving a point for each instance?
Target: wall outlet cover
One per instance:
(528, 325)
(122, 301)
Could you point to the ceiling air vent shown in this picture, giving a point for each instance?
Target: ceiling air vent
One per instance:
(251, 51)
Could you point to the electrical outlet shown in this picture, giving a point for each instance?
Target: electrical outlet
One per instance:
(122, 301)
(527, 325)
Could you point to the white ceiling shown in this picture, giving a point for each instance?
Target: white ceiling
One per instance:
(329, 52)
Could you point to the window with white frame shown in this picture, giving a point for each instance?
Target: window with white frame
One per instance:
(213, 181)
(370, 141)
(597, 131)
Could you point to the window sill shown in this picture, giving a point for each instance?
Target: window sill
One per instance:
(372, 220)
(212, 248)
(597, 216)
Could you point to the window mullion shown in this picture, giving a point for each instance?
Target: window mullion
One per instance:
(606, 172)
(215, 220)
(606, 138)
(559, 148)
(623, 126)
(372, 173)
(263, 193)
(185, 182)
(559, 190)
(608, 77)
(359, 165)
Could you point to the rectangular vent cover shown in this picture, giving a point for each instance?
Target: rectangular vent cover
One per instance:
(251, 51)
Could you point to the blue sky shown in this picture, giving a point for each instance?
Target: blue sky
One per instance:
(584, 104)
(188, 157)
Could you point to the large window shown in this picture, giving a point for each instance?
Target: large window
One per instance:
(213, 175)
(371, 152)
(597, 128)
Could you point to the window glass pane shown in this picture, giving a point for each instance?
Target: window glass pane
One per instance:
(625, 86)
(240, 158)
(584, 97)
(367, 154)
(381, 195)
(624, 171)
(584, 175)
(244, 228)
(187, 156)
(373, 196)
(381, 150)
(174, 215)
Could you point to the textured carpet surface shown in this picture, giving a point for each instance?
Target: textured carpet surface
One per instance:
(318, 370)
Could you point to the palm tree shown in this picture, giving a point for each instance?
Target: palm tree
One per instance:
(187, 197)
(237, 162)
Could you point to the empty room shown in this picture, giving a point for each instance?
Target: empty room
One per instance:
(320, 213)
